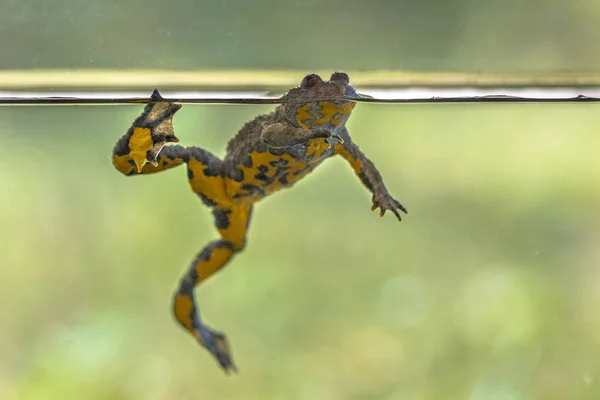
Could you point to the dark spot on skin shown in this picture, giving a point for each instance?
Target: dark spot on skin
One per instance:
(151, 156)
(190, 173)
(187, 284)
(281, 172)
(262, 174)
(247, 162)
(208, 171)
(277, 151)
(279, 163)
(224, 244)
(307, 167)
(165, 163)
(237, 175)
(221, 218)
(122, 146)
(283, 179)
(206, 252)
(206, 200)
(211, 162)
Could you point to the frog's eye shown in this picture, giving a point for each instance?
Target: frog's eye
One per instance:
(311, 80)
(340, 77)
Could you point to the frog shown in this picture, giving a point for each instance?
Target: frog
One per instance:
(271, 152)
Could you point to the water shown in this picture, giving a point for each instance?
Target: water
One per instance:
(266, 87)
(487, 288)
(394, 95)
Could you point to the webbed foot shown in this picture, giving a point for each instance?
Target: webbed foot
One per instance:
(151, 131)
(217, 344)
(384, 201)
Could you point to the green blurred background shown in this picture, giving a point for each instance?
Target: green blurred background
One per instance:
(458, 35)
(488, 290)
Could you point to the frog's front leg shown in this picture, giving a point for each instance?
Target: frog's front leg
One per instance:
(369, 176)
(232, 223)
(280, 135)
(140, 150)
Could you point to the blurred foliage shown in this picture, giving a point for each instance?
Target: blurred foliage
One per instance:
(429, 35)
(487, 290)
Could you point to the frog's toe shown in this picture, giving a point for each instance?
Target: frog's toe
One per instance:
(217, 344)
(335, 139)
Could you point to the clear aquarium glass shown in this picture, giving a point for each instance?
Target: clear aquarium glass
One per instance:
(488, 289)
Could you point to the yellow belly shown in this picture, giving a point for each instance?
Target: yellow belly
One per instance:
(270, 172)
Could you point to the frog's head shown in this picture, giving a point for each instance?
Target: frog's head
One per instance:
(320, 104)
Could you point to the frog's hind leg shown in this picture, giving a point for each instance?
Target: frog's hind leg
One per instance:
(232, 223)
(206, 177)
